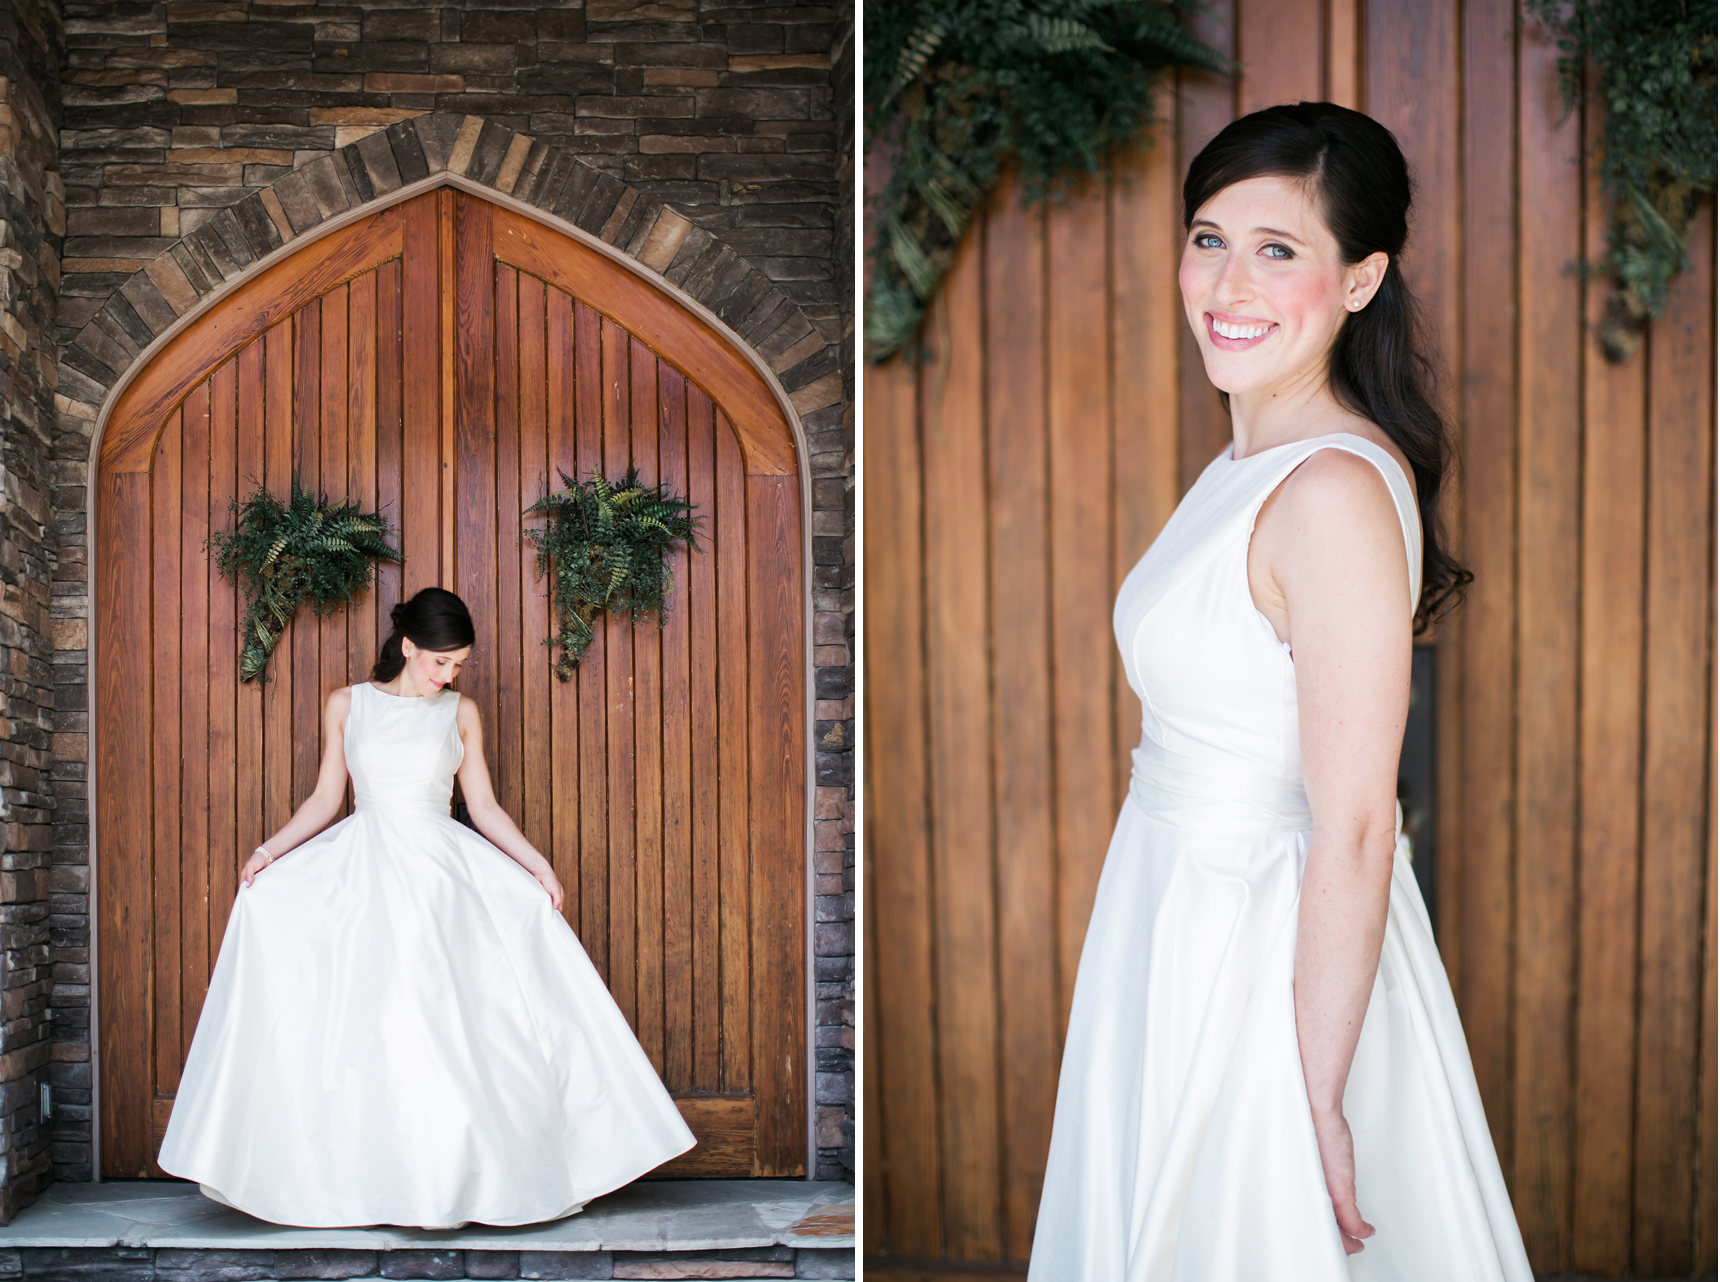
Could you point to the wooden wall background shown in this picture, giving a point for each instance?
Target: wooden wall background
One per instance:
(1014, 478)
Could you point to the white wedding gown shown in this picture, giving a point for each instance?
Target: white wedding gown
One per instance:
(1183, 1148)
(400, 1029)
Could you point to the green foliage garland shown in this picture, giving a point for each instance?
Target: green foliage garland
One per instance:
(1654, 68)
(285, 555)
(958, 89)
(604, 544)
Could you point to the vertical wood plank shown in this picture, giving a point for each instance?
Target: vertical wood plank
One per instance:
(775, 663)
(277, 693)
(1611, 622)
(1707, 1174)
(560, 427)
(1343, 74)
(538, 794)
(898, 815)
(1020, 626)
(301, 641)
(511, 744)
(592, 677)
(235, 740)
(164, 681)
(390, 462)
(1484, 912)
(733, 753)
(194, 850)
(1549, 426)
(476, 448)
(679, 1029)
(1675, 818)
(1281, 49)
(958, 687)
(125, 747)
(647, 742)
(421, 409)
(361, 637)
(250, 430)
(618, 697)
(1078, 370)
(448, 202)
(330, 629)
(703, 733)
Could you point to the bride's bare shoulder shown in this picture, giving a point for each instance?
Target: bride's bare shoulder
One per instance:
(339, 702)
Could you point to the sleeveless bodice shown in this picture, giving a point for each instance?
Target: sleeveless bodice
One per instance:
(402, 753)
(1220, 746)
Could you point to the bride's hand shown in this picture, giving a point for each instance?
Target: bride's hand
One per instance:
(547, 880)
(1338, 1158)
(254, 865)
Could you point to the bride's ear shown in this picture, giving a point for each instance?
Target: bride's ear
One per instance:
(407, 649)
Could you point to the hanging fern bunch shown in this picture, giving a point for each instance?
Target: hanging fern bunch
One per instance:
(286, 555)
(1651, 64)
(602, 546)
(957, 90)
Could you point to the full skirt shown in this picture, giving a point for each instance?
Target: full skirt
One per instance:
(1183, 1148)
(400, 1029)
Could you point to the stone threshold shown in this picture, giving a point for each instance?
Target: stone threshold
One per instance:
(745, 1230)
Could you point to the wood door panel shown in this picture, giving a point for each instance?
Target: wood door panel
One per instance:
(447, 387)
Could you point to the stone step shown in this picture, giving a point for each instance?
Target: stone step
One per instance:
(158, 1231)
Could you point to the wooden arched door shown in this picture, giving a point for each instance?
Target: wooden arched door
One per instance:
(439, 361)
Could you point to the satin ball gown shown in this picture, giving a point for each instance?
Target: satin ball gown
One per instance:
(400, 1028)
(1183, 1145)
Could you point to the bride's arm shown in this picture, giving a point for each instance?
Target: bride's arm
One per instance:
(320, 808)
(487, 814)
(1334, 549)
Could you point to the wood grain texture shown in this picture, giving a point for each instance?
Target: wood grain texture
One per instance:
(270, 296)
(672, 803)
(698, 350)
(1549, 447)
(1676, 764)
(1280, 49)
(1610, 748)
(1480, 922)
(958, 688)
(902, 1136)
(1081, 575)
(1017, 496)
(121, 600)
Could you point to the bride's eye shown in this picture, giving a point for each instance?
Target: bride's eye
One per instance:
(1274, 250)
(1207, 240)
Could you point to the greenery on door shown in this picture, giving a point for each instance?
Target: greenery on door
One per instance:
(602, 544)
(284, 555)
(957, 90)
(1652, 64)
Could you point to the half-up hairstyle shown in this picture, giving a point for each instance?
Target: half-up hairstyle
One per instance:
(434, 619)
(1379, 364)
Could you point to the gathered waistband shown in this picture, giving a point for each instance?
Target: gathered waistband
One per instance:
(401, 805)
(1188, 794)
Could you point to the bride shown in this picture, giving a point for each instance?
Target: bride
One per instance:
(1264, 1078)
(401, 1028)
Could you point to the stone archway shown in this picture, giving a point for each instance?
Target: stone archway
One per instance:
(471, 150)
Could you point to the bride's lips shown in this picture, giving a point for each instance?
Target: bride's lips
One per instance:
(1224, 344)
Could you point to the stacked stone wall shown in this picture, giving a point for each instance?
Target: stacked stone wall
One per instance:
(702, 139)
(32, 219)
(833, 557)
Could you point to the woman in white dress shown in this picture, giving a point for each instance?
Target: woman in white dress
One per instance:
(401, 1028)
(1264, 1078)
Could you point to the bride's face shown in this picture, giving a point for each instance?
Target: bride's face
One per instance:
(1265, 286)
(430, 670)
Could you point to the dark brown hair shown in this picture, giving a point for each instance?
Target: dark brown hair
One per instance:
(1379, 365)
